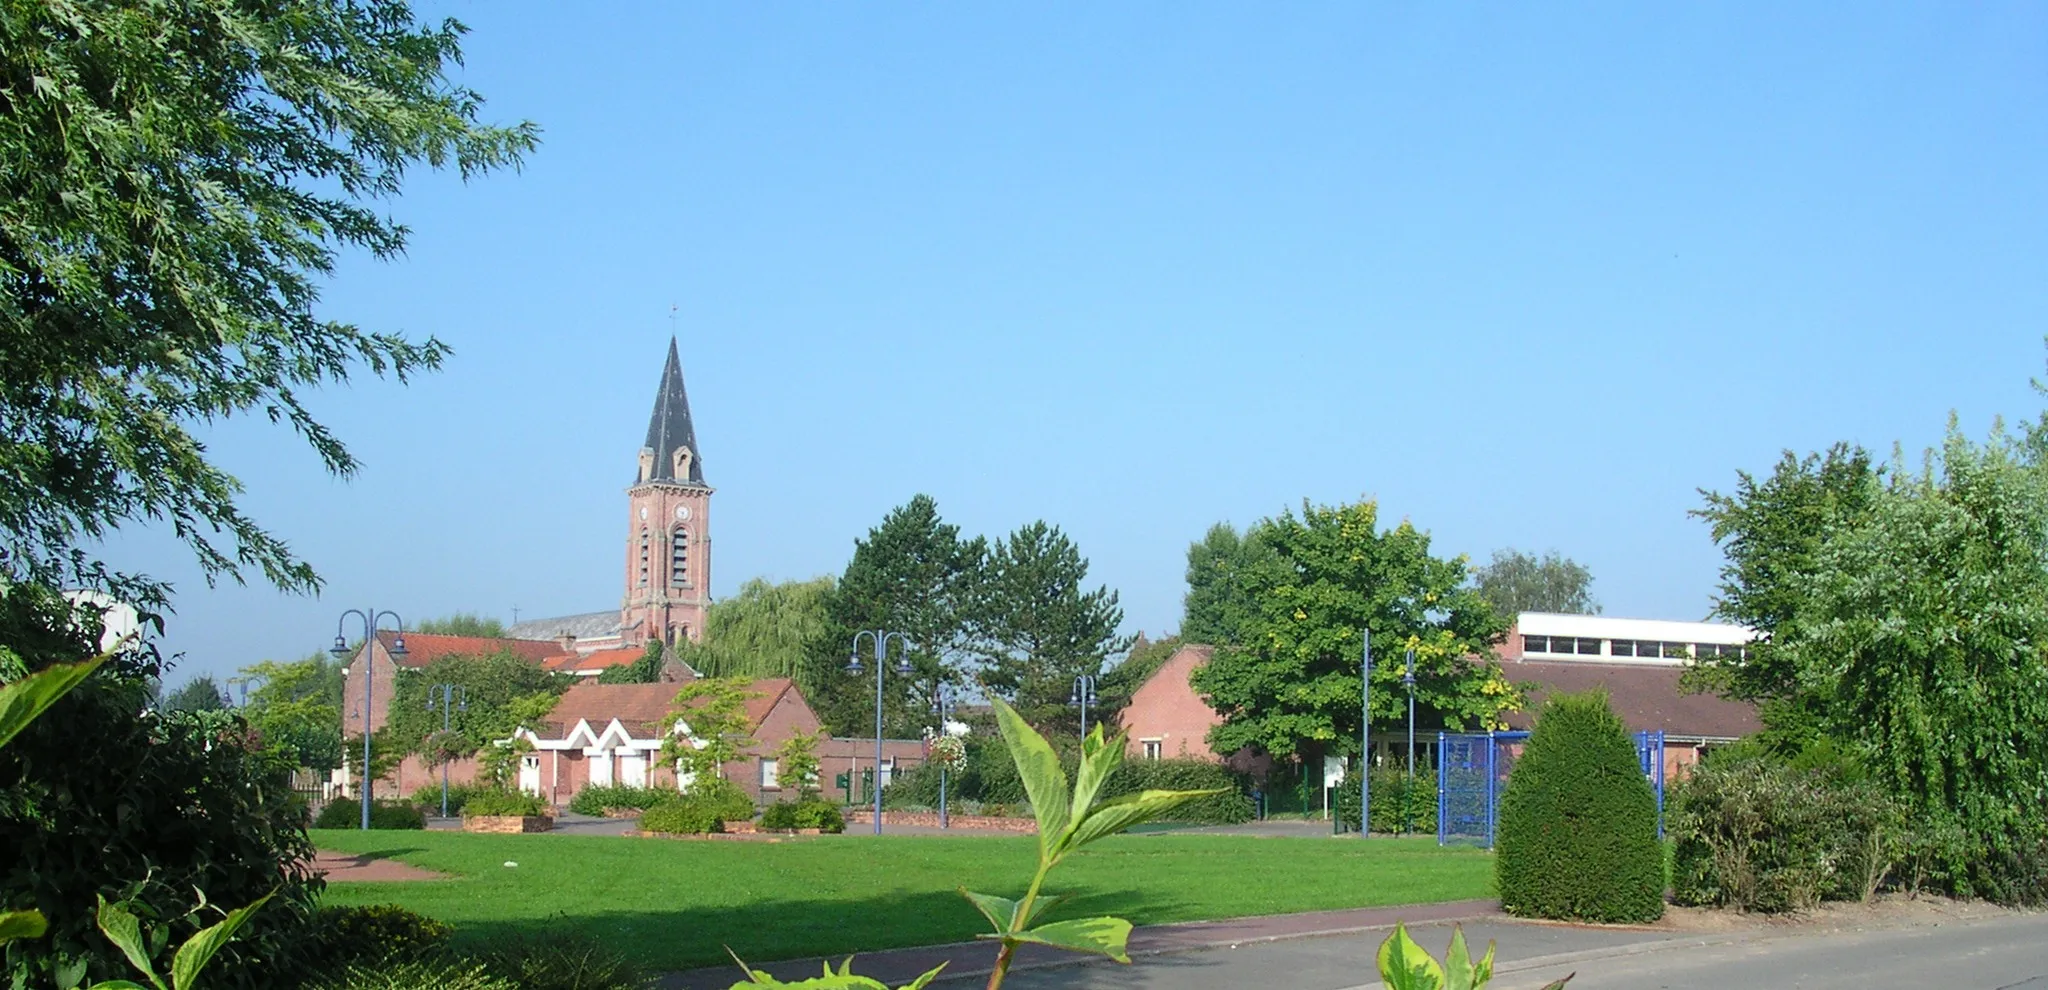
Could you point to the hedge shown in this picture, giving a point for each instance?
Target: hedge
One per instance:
(809, 813)
(1391, 797)
(507, 802)
(597, 799)
(344, 813)
(681, 817)
(1577, 836)
(991, 779)
(1760, 835)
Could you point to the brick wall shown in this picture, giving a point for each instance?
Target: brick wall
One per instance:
(1167, 709)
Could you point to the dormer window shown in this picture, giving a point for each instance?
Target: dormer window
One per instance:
(679, 558)
(646, 464)
(682, 463)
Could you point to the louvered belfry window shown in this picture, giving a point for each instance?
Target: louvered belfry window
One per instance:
(679, 558)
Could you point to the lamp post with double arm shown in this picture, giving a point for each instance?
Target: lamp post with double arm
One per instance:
(881, 640)
(453, 697)
(340, 651)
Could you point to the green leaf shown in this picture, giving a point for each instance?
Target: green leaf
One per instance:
(1405, 966)
(1098, 761)
(118, 985)
(921, 982)
(1000, 911)
(23, 700)
(1044, 782)
(1459, 972)
(1122, 812)
(1559, 984)
(22, 924)
(193, 956)
(1100, 936)
(122, 929)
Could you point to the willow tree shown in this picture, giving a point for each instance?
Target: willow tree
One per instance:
(766, 630)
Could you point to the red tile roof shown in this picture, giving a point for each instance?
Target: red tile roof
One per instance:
(1647, 697)
(425, 648)
(641, 707)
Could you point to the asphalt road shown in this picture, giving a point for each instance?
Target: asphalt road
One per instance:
(2003, 953)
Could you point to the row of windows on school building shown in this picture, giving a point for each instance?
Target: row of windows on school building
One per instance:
(1582, 646)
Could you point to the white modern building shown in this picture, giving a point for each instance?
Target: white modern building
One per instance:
(1601, 639)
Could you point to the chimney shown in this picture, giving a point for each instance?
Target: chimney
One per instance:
(567, 641)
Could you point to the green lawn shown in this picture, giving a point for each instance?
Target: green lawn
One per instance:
(676, 904)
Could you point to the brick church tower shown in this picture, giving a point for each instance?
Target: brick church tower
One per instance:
(668, 531)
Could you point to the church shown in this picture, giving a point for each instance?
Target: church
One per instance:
(667, 572)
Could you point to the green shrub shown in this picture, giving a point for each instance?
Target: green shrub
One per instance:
(1763, 835)
(375, 933)
(723, 797)
(1396, 805)
(504, 803)
(428, 798)
(1578, 823)
(560, 960)
(780, 815)
(424, 974)
(991, 779)
(600, 798)
(394, 815)
(681, 817)
(167, 803)
(821, 815)
(1181, 774)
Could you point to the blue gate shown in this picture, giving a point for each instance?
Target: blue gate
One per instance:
(1472, 773)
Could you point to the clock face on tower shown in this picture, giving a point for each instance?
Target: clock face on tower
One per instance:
(683, 513)
(643, 513)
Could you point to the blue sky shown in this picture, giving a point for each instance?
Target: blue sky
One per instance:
(1529, 276)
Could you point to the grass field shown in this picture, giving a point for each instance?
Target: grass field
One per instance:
(678, 904)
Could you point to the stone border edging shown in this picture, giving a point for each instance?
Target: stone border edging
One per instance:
(930, 819)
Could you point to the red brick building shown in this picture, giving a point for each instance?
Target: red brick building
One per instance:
(1167, 717)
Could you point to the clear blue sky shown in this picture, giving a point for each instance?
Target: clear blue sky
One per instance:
(1529, 275)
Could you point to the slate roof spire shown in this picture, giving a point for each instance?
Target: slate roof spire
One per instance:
(669, 431)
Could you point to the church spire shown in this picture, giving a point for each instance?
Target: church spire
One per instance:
(671, 450)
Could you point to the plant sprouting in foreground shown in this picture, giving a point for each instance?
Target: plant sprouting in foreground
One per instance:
(1067, 820)
(1405, 965)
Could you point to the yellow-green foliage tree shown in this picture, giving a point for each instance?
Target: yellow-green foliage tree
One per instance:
(713, 712)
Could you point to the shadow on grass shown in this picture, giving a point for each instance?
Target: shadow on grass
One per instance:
(769, 934)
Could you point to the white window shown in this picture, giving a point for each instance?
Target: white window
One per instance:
(768, 774)
(1152, 747)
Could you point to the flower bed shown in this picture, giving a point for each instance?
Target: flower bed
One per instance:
(930, 819)
(508, 824)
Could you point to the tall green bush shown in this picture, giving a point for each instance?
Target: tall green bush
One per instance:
(1578, 824)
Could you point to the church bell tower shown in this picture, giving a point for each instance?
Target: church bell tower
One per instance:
(668, 525)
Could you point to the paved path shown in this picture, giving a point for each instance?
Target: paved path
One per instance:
(344, 868)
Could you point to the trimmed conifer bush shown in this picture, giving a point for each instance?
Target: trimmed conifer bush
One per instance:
(1578, 825)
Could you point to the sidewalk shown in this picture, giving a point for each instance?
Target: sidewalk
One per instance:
(895, 966)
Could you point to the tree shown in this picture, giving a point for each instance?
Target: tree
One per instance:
(180, 180)
(200, 694)
(463, 624)
(296, 709)
(490, 685)
(1222, 568)
(913, 574)
(713, 711)
(1773, 533)
(796, 763)
(1915, 634)
(646, 670)
(1038, 629)
(766, 630)
(1517, 582)
(1292, 687)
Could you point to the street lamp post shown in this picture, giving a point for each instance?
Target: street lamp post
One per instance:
(241, 686)
(370, 619)
(1408, 799)
(939, 700)
(452, 696)
(1365, 737)
(881, 640)
(1084, 695)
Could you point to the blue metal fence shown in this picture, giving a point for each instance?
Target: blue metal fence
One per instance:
(1472, 772)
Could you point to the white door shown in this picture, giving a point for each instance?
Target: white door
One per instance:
(529, 774)
(601, 768)
(633, 769)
